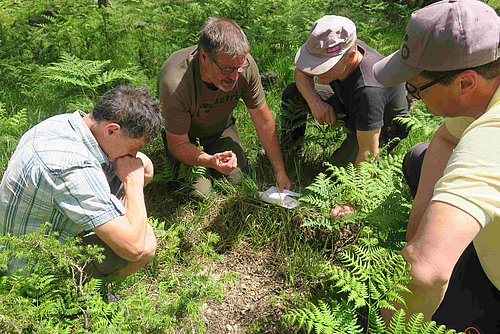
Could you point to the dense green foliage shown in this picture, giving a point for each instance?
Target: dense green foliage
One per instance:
(371, 278)
(57, 55)
(52, 296)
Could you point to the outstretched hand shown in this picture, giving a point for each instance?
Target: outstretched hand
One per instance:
(341, 211)
(224, 162)
(283, 181)
(323, 113)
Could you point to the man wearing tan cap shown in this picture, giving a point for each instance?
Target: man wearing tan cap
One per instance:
(348, 90)
(449, 59)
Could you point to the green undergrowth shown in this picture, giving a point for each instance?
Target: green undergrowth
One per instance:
(52, 296)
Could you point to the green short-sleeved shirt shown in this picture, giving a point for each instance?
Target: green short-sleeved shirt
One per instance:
(471, 180)
(190, 106)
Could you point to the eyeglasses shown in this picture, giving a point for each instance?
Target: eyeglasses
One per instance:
(230, 70)
(415, 91)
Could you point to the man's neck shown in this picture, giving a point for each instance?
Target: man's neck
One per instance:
(205, 77)
(92, 125)
(483, 98)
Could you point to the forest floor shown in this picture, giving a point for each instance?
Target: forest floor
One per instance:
(253, 300)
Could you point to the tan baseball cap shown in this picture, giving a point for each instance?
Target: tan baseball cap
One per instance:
(445, 36)
(331, 36)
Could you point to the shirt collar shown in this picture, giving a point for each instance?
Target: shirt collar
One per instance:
(76, 121)
(495, 99)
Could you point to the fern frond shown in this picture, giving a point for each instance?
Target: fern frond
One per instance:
(370, 275)
(14, 125)
(355, 288)
(110, 76)
(86, 74)
(320, 194)
(433, 328)
(398, 322)
(376, 324)
(325, 318)
(415, 323)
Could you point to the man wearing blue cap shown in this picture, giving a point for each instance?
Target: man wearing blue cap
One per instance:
(449, 59)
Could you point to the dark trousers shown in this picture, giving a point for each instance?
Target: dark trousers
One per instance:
(294, 118)
(471, 302)
(228, 140)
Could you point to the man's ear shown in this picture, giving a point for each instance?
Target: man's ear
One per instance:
(468, 81)
(111, 129)
(203, 55)
(352, 51)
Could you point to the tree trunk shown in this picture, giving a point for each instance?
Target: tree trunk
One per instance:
(103, 3)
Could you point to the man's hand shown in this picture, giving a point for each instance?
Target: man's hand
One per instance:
(224, 162)
(130, 169)
(282, 180)
(323, 112)
(341, 211)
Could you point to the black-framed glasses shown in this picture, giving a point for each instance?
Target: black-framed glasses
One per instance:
(415, 91)
(230, 70)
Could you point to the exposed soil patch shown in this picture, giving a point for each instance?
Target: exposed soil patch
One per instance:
(253, 300)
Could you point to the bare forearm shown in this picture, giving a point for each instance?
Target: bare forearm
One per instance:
(268, 136)
(136, 217)
(126, 234)
(191, 155)
(435, 161)
(363, 155)
(305, 85)
(425, 301)
(368, 142)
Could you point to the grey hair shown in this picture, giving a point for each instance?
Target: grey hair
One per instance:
(223, 35)
(133, 108)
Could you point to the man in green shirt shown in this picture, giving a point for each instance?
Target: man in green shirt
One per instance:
(199, 87)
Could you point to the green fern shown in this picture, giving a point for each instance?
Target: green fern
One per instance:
(371, 275)
(11, 130)
(290, 122)
(190, 173)
(88, 75)
(320, 193)
(367, 188)
(325, 318)
(184, 172)
(420, 121)
(415, 325)
(317, 135)
(14, 125)
(371, 278)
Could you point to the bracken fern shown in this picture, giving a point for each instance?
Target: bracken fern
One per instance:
(88, 75)
(371, 278)
(365, 188)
